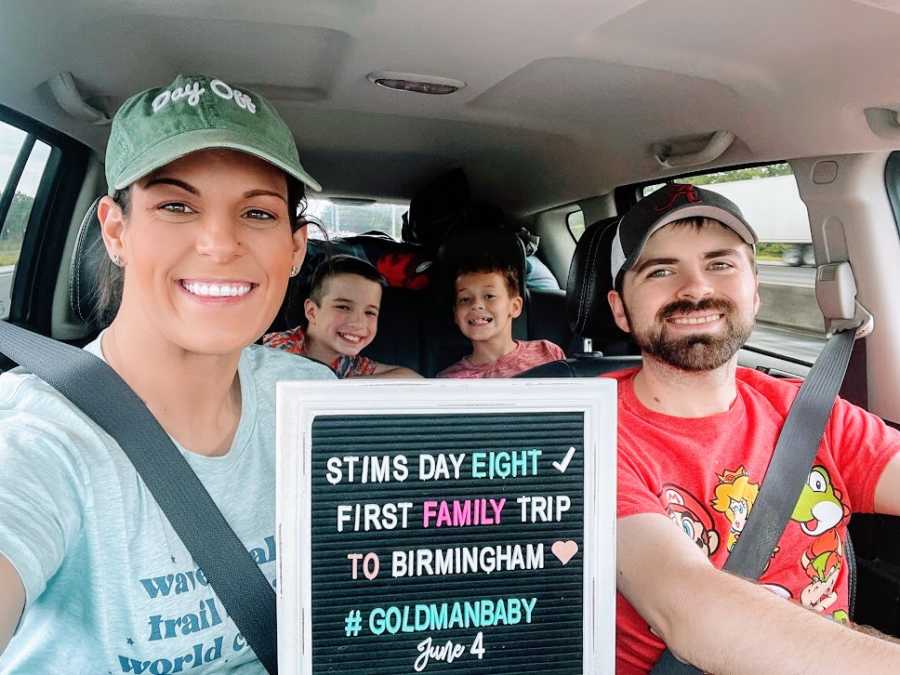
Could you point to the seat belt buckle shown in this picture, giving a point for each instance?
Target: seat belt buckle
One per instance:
(837, 297)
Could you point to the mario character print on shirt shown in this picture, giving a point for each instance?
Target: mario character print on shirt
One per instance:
(691, 517)
(819, 511)
(734, 498)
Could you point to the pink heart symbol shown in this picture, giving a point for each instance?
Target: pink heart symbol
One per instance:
(564, 550)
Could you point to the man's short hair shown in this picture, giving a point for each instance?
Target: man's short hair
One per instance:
(697, 223)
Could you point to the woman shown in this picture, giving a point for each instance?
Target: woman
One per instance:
(202, 228)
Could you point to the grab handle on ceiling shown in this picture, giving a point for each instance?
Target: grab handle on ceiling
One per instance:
(66, 93)
(718, 143)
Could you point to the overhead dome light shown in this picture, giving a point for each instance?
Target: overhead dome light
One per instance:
(420, 84)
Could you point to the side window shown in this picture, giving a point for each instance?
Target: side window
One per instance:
(23, 159)
(575, 223)
(789, 322)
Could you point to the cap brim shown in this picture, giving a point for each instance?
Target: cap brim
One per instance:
(184, 144)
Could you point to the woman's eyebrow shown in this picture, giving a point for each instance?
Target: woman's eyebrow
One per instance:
(265, 193)
(162, 180)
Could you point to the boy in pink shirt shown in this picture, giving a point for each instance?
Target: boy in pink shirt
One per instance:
(486, 300)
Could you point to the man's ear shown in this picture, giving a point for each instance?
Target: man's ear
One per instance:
(517, 304)
(310, 308)
(618, 310)
(112, 227)
(756, 300)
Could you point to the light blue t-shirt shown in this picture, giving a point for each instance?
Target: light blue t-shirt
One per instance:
(109, 586)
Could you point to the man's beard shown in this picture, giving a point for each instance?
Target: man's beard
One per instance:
(698, 352)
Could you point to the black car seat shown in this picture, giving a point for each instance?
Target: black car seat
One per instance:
(604, 347)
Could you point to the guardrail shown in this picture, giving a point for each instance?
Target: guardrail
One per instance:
(790, 306)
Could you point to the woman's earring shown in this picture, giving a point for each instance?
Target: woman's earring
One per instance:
(295, 270)
(117, 261)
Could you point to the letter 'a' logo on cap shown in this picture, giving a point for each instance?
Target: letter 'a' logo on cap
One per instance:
(686, 192)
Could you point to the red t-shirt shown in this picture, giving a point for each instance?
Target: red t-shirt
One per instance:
(704, 474)
(526, 355)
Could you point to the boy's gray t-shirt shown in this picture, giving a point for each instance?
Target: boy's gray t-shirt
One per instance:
(110, 587)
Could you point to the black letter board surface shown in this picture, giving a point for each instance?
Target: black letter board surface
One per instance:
(446, 526)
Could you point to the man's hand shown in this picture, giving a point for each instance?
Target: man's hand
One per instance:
(724, 624)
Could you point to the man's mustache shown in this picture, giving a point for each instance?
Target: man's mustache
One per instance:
(685, 306)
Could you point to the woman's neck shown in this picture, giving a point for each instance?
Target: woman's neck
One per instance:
(195, 397)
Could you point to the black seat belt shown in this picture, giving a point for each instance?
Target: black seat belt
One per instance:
(98, 391)
(792, 460)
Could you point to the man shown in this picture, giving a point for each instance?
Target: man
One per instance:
(685, 288)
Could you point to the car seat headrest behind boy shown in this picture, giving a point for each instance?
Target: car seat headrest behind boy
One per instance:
(406, 266)
(589, 283)
(436, 209)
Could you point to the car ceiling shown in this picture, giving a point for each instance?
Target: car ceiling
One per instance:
(564, 99)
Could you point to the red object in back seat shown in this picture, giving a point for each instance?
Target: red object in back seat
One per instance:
(400, 271)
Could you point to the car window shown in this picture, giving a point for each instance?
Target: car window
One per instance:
(22, 162)
(575, 223)
(789, 322)
(346, 218)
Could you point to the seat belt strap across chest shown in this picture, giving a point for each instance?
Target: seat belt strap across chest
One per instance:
(99, 392)
(792, 460)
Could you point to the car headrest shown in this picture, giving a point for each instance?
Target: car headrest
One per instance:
(589, 283)
(83, 270)
(436, 209)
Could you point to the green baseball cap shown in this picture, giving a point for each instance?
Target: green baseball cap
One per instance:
(196, 112)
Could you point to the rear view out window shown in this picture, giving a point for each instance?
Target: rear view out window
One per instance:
(346, 218)
(789, 322)
(22, 162)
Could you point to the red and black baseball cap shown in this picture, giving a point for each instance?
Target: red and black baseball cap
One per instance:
(674, 201)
